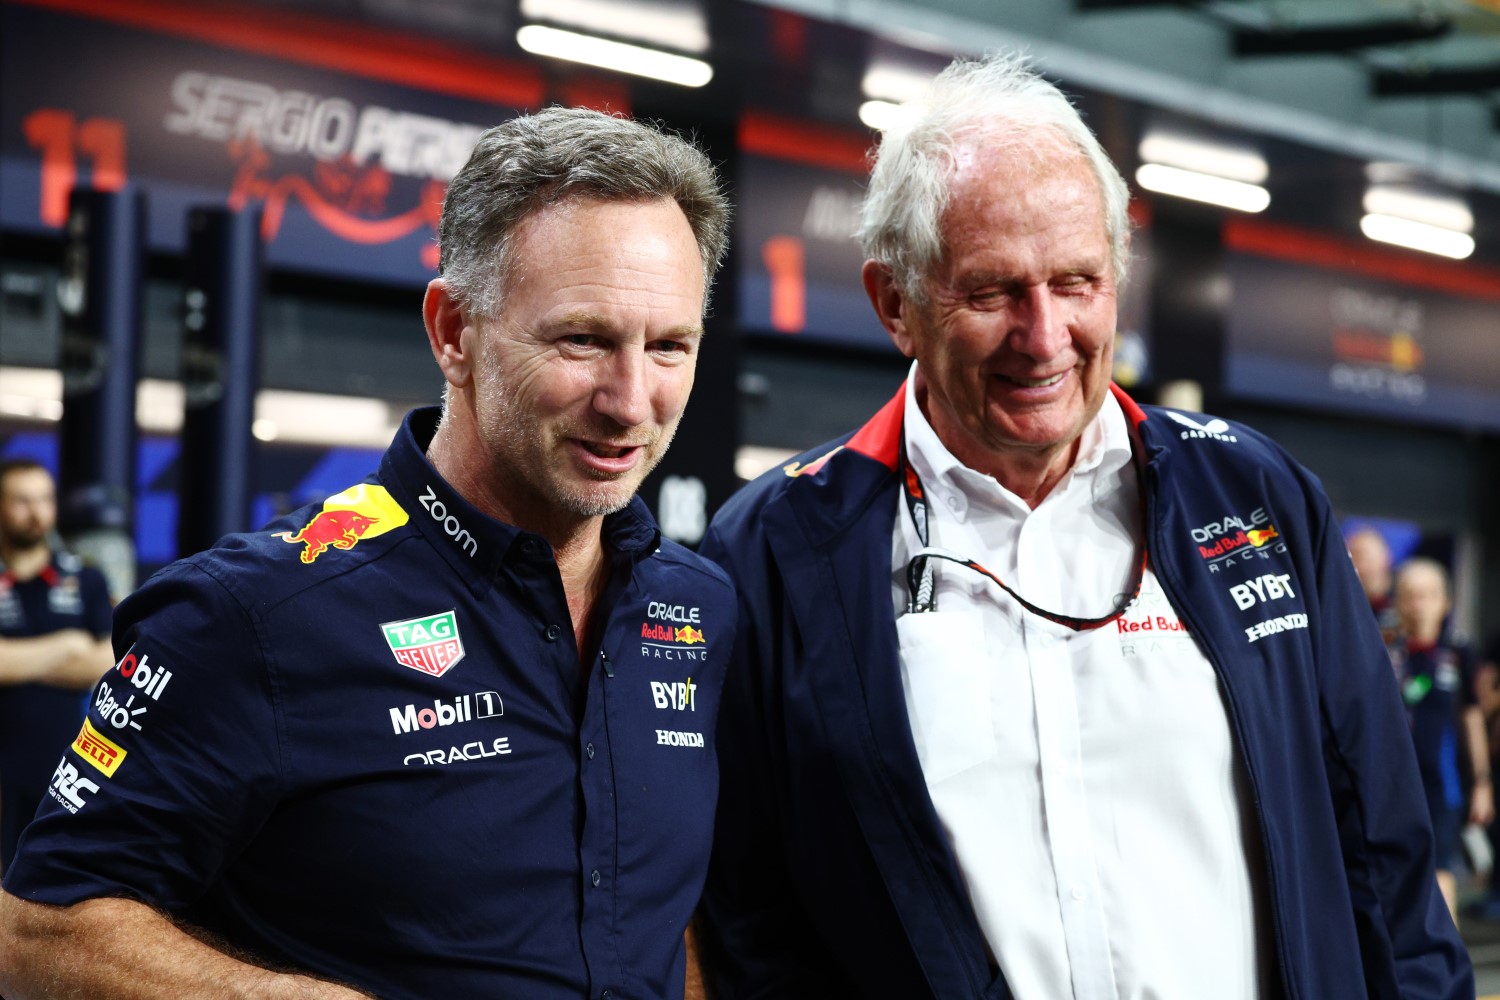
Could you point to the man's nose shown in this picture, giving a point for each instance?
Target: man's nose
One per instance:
(1040, 327)
(622, 393)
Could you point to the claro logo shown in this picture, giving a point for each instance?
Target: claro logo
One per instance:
(448, 522)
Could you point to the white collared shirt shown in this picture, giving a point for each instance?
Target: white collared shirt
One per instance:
(1088, 781)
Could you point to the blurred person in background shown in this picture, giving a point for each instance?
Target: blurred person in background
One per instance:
(448, 733)
(54, 643)
(1487, 692)
(1438, 682)
(1372, 562)
(1040, 693)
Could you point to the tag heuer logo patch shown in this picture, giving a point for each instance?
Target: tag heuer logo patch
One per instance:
(431, 644)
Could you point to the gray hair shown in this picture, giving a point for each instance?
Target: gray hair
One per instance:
(1001, 99)
(536, 160)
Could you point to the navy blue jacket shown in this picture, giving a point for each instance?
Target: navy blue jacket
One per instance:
(360, 744)
(831, 874)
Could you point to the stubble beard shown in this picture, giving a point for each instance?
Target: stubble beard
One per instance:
(535, 469)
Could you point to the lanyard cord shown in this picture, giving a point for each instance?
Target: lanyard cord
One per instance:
(919, 571)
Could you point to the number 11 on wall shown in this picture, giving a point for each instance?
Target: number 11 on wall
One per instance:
(62, 140)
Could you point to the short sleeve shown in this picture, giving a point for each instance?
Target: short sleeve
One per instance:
(176, 764)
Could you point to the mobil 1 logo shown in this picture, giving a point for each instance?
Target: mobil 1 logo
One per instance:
(446, 712)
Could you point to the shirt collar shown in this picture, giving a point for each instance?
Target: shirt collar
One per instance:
(1104, 448)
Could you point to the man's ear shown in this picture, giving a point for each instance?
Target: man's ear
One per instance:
(446, 324)
(887, 298)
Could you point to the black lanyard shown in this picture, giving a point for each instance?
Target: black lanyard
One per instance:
(921, 594)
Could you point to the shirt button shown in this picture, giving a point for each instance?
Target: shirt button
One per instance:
(594, 878)
(589, 749)
(553, 631)
(606, 995)
(1077, 893)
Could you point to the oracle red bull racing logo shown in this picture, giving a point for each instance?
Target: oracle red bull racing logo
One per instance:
(672, 627)
(1238, 537)
(362, 511)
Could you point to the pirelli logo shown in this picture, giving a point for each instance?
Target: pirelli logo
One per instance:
(98, 749)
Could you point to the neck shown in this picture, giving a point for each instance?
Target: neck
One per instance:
(577, 543)
(1031, 474)
(459, 456)
(1033, 477)
(25, 563)
(1423, 636)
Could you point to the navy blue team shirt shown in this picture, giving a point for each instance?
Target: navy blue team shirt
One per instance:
(1437, 684)
(360, 743)
(36, 719)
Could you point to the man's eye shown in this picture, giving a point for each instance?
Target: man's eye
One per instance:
(580, 339)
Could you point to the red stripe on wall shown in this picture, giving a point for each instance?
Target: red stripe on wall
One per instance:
(1299, 246)
(804, 142)
(375, 53)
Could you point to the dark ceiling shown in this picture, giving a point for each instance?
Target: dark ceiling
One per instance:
(1323, 88)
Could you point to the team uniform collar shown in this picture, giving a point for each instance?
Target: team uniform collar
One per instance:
(58, 566)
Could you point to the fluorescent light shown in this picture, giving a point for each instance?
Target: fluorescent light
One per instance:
(158, 405)
(1202, 187)
(674, 25)
(619, 56)
(1417, 236)
(1234, 162)
(1420, 206)
(751, 460)
(284, 416)
(31, 393)
(891, 82)
(881, 115)
(317, 418)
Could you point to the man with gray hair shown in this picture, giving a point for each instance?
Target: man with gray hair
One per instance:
(1040, 693)
(449, 732)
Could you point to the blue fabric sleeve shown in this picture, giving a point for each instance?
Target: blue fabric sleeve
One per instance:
(177, 763)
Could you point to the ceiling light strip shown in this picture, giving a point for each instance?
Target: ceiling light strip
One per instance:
(668, 24)
(1190, 184)
(619, 56)
(1417, 236)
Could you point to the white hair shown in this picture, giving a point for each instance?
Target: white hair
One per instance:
(1003, 101)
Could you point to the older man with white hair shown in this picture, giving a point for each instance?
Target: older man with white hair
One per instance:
(1041, 693)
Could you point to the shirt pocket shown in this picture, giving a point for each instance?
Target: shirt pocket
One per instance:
(945, 677)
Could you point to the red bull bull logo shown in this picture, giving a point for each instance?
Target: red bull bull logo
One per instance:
(812, 468)
(363, 511)
(339, 529)
(687, 635)
(1260, 538)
